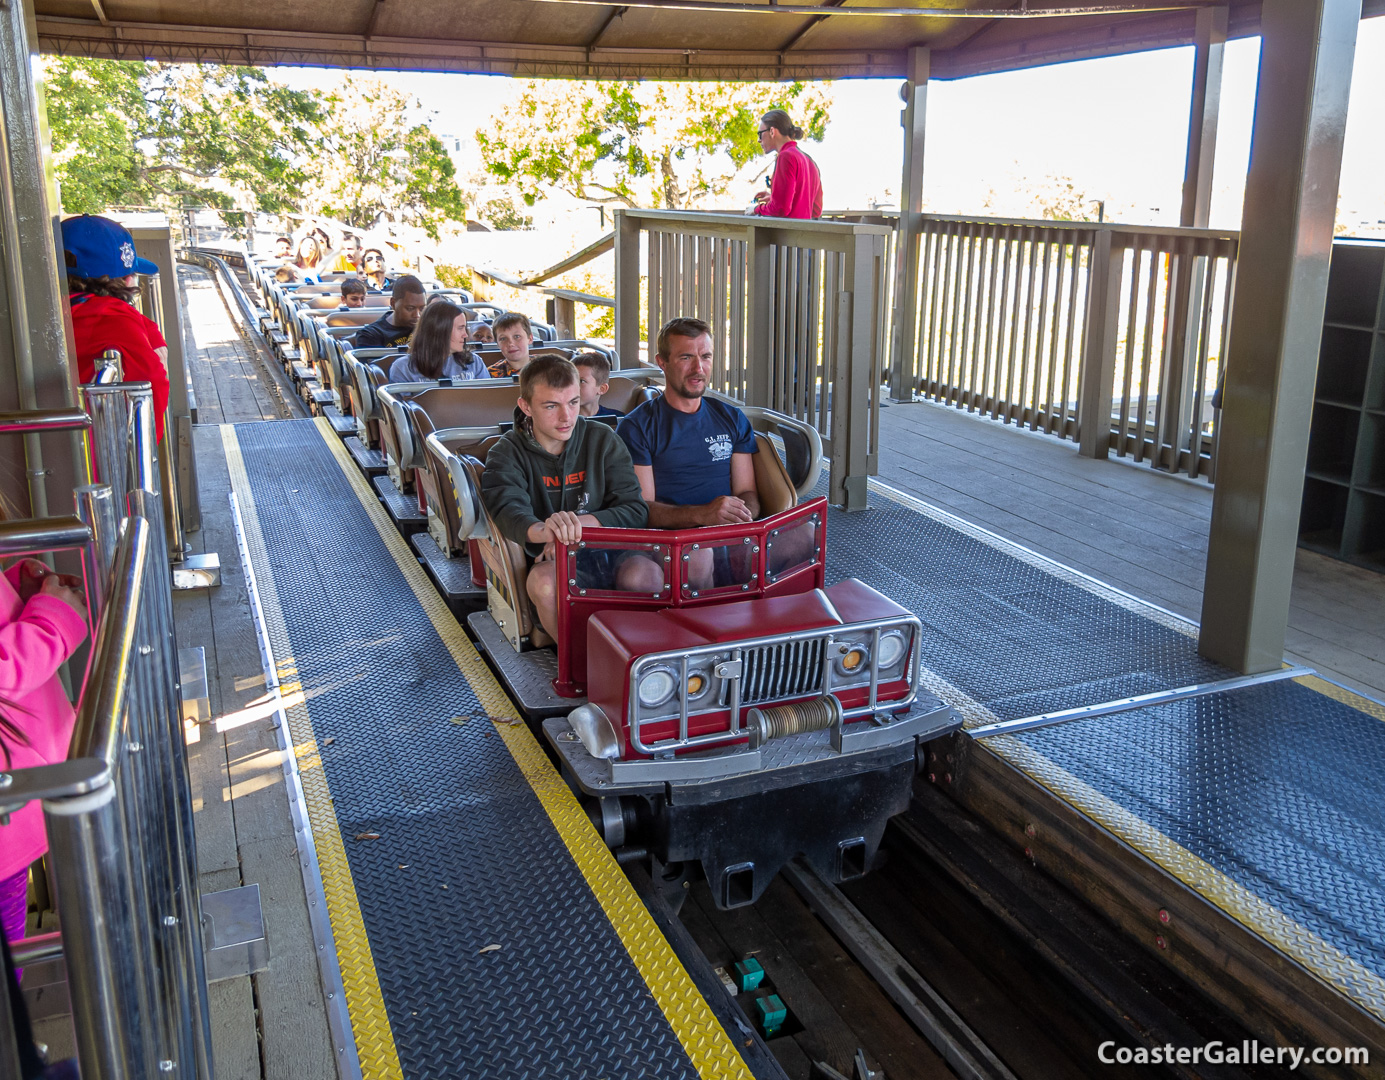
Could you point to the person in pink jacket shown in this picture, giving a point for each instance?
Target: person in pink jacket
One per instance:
(43, 618)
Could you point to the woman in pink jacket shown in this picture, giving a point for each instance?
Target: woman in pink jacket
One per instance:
(43, 618)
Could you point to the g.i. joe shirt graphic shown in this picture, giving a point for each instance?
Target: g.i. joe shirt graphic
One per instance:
(720, 447)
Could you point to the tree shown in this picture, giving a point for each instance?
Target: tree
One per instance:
(174, 135)
(171, 135)
(503, 214)
(1049, 198)
(379, 166)
(669, 145)
(95, 114)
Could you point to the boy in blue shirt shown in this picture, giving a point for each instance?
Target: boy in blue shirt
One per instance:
(692, 454)
(595, 372)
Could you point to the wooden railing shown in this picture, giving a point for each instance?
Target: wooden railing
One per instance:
(1046, 324)
(798, 311)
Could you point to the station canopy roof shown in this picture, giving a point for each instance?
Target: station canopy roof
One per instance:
(640, 39)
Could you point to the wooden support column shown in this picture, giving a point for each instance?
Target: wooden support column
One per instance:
(905, 323)
(1177, 397)
(1306, 55)
(627, 252)
(1203, 117)
(36, 371)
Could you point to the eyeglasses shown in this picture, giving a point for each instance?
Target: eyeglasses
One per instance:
(764, 131)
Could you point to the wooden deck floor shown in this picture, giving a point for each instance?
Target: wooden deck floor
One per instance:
(273, 1025)
(1139, 530)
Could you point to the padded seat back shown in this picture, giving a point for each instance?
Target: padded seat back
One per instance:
(366, 377)
(628, 392)
(354, 317)
(490, 352)
(772, 482)
(439, 491)
(331, 301)
(396, 434)
(507, 574)
(468, 404)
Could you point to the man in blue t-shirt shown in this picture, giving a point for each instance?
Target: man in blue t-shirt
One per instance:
(692, 454)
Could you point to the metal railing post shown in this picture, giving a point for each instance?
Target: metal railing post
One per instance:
(99, 876)
(96, 507)
(1096, 380)
(168, 490)
(141, 447)
(119, 816)
(110, 422)
(111, 1010)
(110, 368)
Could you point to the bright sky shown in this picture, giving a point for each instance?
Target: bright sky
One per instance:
(1117, 127)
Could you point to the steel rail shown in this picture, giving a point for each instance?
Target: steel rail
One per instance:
(960, 1046)
(1138, 701)
(43, 420)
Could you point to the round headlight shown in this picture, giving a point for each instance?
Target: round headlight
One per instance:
(851, 659)
(893, 646)
(656, 687)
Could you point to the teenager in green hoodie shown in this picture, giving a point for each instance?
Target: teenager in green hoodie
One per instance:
(556, 472)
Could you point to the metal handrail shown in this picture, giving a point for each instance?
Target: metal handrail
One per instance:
(44, 420)
(119, 818)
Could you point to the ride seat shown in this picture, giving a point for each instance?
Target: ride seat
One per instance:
(507, 575)
(772, 481)
(629, 390)
(354, 317)
(406, 424)
(442, 451)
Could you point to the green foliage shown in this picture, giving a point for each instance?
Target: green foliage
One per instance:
(94, 115)
(669, 145)
(378, 165)
(454, 277)
(502, 214)
(1049, 198)
(174, 135)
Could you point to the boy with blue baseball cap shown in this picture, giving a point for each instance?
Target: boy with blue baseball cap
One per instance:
(102, 283)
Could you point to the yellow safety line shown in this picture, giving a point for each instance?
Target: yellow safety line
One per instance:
(370, 1023)
(1334, 967)
(703, 1038)
(1260, 917)
(1342, 694)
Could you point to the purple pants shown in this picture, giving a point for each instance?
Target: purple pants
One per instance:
(14, 905)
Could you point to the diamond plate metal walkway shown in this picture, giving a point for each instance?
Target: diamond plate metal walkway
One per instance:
(1267, 800)
(481, 926)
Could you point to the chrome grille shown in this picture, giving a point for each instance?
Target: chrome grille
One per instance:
(783, 670)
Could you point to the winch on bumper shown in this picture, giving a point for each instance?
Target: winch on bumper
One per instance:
(740, 736)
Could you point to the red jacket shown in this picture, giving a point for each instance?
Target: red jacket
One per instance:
(796, 191)
(105, 322)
